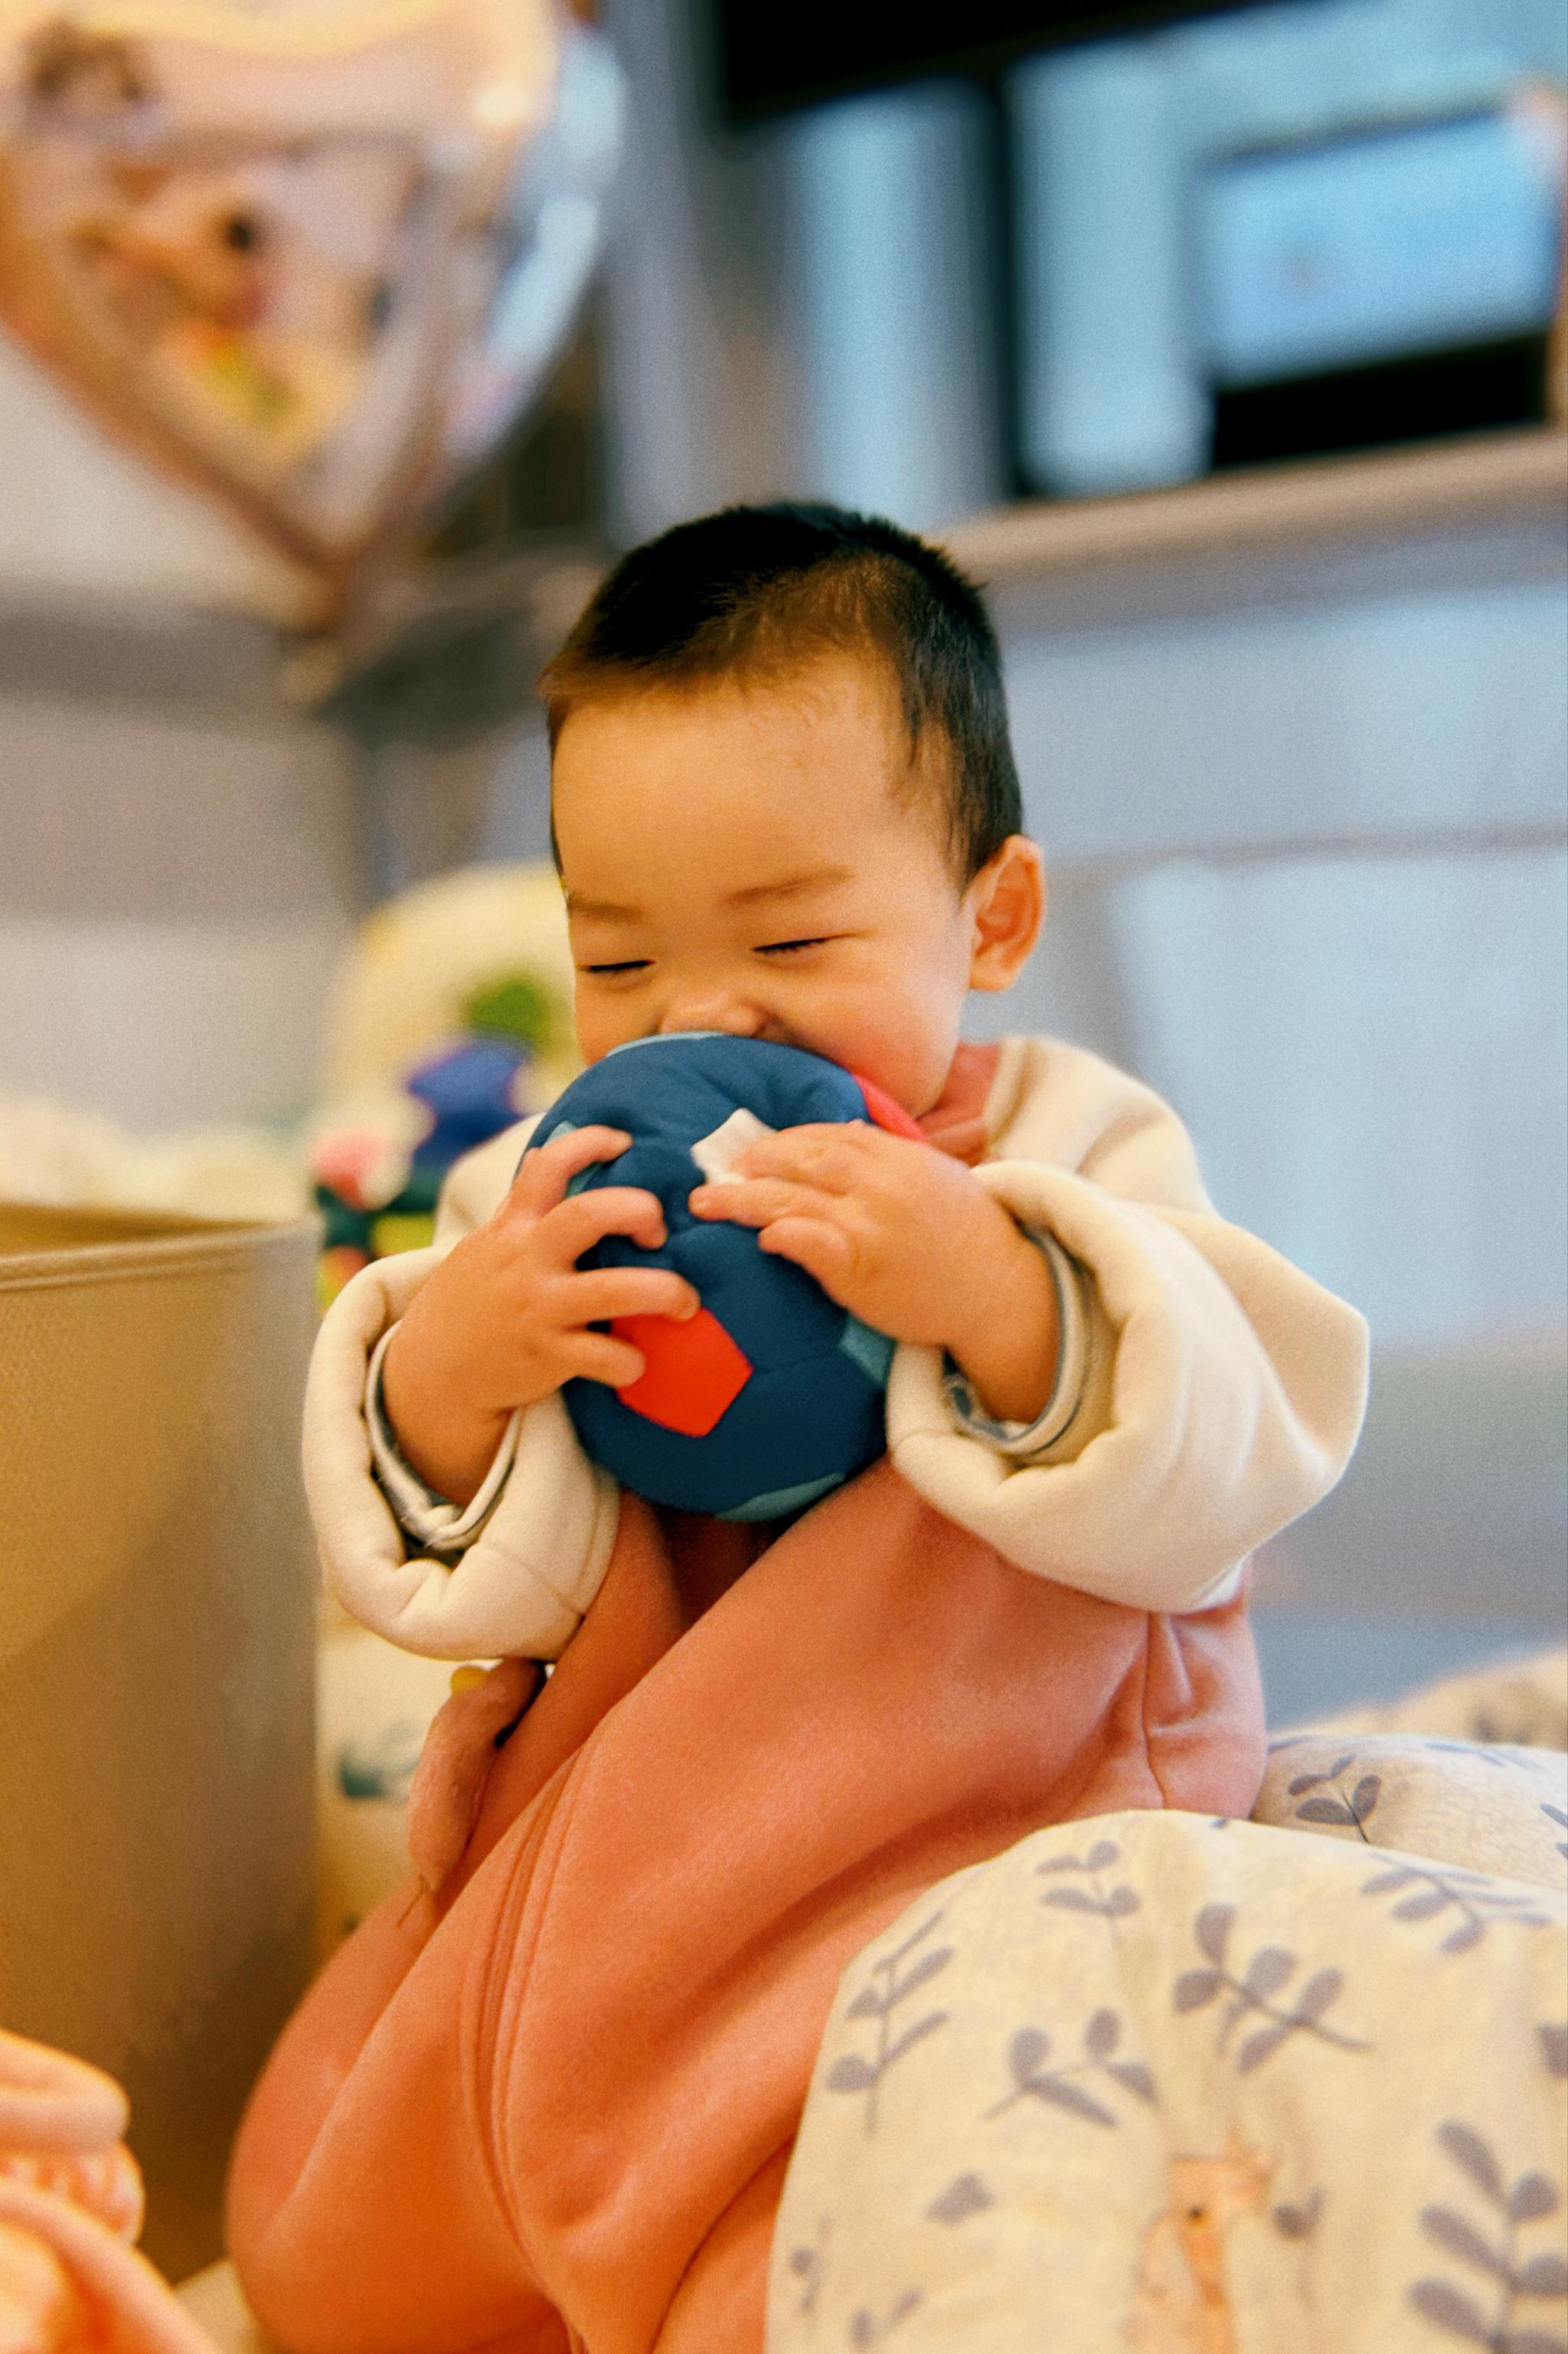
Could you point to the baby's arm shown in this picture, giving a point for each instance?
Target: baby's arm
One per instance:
(1218, 1391)
(512, 1576)
(1225, 1388)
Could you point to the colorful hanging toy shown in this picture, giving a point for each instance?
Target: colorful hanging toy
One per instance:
(771, 1396)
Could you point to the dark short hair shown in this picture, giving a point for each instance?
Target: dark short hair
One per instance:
(755, 589)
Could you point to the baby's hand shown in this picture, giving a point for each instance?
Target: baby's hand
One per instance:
(505, 1318)
(908, 1240)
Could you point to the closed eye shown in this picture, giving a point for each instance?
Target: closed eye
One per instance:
(788, 947)
(631, 964)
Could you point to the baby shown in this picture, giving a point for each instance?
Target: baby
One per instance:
(546, 2101)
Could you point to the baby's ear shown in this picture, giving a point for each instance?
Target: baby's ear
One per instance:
(1006, 902)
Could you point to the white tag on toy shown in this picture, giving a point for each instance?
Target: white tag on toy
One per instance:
(716, 1154)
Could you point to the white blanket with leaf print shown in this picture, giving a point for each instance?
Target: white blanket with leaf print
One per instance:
(1181, 2086)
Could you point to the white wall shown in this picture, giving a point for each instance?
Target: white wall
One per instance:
(173, 896)
(82, 516)
(1371, 1046)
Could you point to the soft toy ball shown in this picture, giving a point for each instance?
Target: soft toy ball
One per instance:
(771, 1396)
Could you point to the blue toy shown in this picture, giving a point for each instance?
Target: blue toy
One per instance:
(771, 1396)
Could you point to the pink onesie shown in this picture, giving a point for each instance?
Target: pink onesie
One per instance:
(549, 2105)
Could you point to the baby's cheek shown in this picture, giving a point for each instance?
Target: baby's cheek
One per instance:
(908, 1059)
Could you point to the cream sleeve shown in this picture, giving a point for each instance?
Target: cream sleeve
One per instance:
(1223, 1390)
(545, 1517)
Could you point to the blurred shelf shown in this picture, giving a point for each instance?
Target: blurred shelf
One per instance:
(1401, 491)
(206, 663)
(434, 654)
(1490, 508)
(450, 650)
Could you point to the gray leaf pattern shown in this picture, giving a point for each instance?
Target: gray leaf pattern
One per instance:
(1035, 2078)
(1531, 2197)
(925, 1967)
(1195, 1988)
(1330, 1803)
(1422, 1907)
(1462, 2239)
(1487, 2278)
(1467, 2148)
(1544, 2276)
(1266, 1974)
(1511, 2275)
(964, 2197)
(1211, 1930)
(1112, 1904)
(1027, 2057)
(865, 2329)
(1071, 1900)
(1299, 2222)
(1102, 2034)
(1257, 2048)
(1268, 1970)
(1480, 1750)
(808, 2267)
(1321, 1989)
(911, 2036)
(1435, 1889)
(1027, 2054)
(1064, 2094)
(1329, 1773)
(1451, 2310)
(856, 2072)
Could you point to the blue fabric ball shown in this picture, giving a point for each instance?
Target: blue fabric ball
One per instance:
(804, 1381)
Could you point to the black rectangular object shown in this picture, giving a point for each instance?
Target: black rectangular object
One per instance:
(1422, 396)
(770, 58)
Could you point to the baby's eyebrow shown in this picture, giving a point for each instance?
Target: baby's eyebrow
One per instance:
(576, 906)
(789, 887)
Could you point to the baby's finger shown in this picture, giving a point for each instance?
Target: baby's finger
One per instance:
(824, 1250)
(600, 1357)
(610, 1291)
(757, 1201)
(583, 1219)
(827, 1154)
(541, 1182)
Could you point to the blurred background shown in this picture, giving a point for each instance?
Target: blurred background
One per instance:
(1223, 345)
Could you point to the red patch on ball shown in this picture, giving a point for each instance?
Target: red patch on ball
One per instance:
(692, 1372)
(884, 1113)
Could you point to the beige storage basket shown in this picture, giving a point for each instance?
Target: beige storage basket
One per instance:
(156, 1655)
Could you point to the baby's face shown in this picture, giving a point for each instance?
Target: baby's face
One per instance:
(757, 859)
